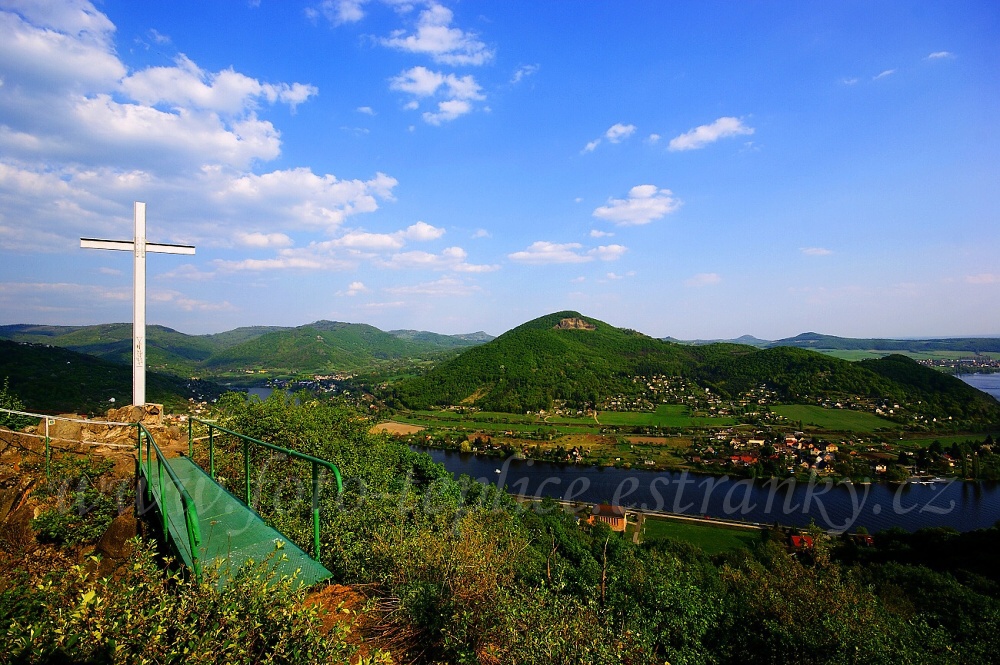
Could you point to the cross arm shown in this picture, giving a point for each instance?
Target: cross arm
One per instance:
(128, 246)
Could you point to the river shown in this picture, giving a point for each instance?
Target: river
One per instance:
(988, 383)
(961, 505)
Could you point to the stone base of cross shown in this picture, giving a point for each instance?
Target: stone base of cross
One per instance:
(138, 246)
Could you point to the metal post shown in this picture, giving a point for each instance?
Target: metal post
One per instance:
(211, 452)
(48, 453)
(163, 498)
(190, 439)
(315, 506)
(246, 470)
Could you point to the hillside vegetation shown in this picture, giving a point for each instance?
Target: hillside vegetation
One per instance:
(539, 363)
(316, 348)
(55, 380)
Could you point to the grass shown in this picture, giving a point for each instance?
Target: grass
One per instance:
(837, 420)
(711, 538)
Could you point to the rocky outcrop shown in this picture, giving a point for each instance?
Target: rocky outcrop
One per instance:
(574, 324)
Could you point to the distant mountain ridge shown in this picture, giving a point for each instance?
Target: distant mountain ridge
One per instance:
(321, 346)
(812, 340)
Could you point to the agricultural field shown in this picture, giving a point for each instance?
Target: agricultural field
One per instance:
(835, 420)
(712, 538)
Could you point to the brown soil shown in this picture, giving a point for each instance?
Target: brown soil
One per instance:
(397, 428)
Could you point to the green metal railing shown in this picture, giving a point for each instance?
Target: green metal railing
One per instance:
(315, 461)
(146, 468)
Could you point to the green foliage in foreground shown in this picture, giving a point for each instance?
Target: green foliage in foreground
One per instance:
(463, 574)
(146, 615)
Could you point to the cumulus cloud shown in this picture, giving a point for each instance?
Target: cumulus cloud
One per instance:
(597, 233)
(450, 258)
(702, 135)
(339, 12)
(444, 44)
(608, 252)
(185, 85)
(264, 239)
(815, 251)
(543, 252)
(616, 133)
(367, 110)
(446, 286)
(644, 204)
(458, 91)
(354, 288)
(703, 279)
(523, 72)
(619, 132)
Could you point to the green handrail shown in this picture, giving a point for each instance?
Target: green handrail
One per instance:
(187, 503)
(247, 440)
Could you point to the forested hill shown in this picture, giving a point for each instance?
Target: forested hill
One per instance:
(324, 346)
(54, 380)
(566, 356)
(528, 367)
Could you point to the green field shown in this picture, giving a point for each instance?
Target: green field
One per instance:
(837, 420)
(666, 415)
(712, 539)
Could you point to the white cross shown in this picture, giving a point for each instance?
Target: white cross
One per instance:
(138, 246)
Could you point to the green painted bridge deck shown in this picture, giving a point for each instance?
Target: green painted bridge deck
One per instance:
(232, 534)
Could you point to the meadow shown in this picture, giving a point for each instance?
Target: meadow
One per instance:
(835, 420)
(712, 538)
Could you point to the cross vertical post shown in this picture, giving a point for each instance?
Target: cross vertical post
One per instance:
(139, 305)
(138, 246)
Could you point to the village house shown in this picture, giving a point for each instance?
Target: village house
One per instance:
(613, 516)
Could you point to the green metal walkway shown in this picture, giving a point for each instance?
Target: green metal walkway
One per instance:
(232, 534)
(212, 529)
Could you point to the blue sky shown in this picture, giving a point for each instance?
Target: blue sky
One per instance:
(691, 169)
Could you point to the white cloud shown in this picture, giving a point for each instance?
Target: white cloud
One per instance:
(444, 44)
(702, 135)
(644, 204)
(884, 74)
(597, 233)
(608, 252)
(983, 278)
(158, 38)
(264, 239)
(339, 12)
(543, 252)
(354, 288)
(186, 85)
(446, 286)
(940, 55)
(653, 139)
(481, 233)
(523, 72)
(450, 258)
(447, 111)
(849, 81)
(422, 231)
(188, 272)
(367, 110)
(616, 133)
(619, 132)
(815, 251)
(703, 279)
(422, 82)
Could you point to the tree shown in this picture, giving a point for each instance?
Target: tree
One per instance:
(8, 400)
